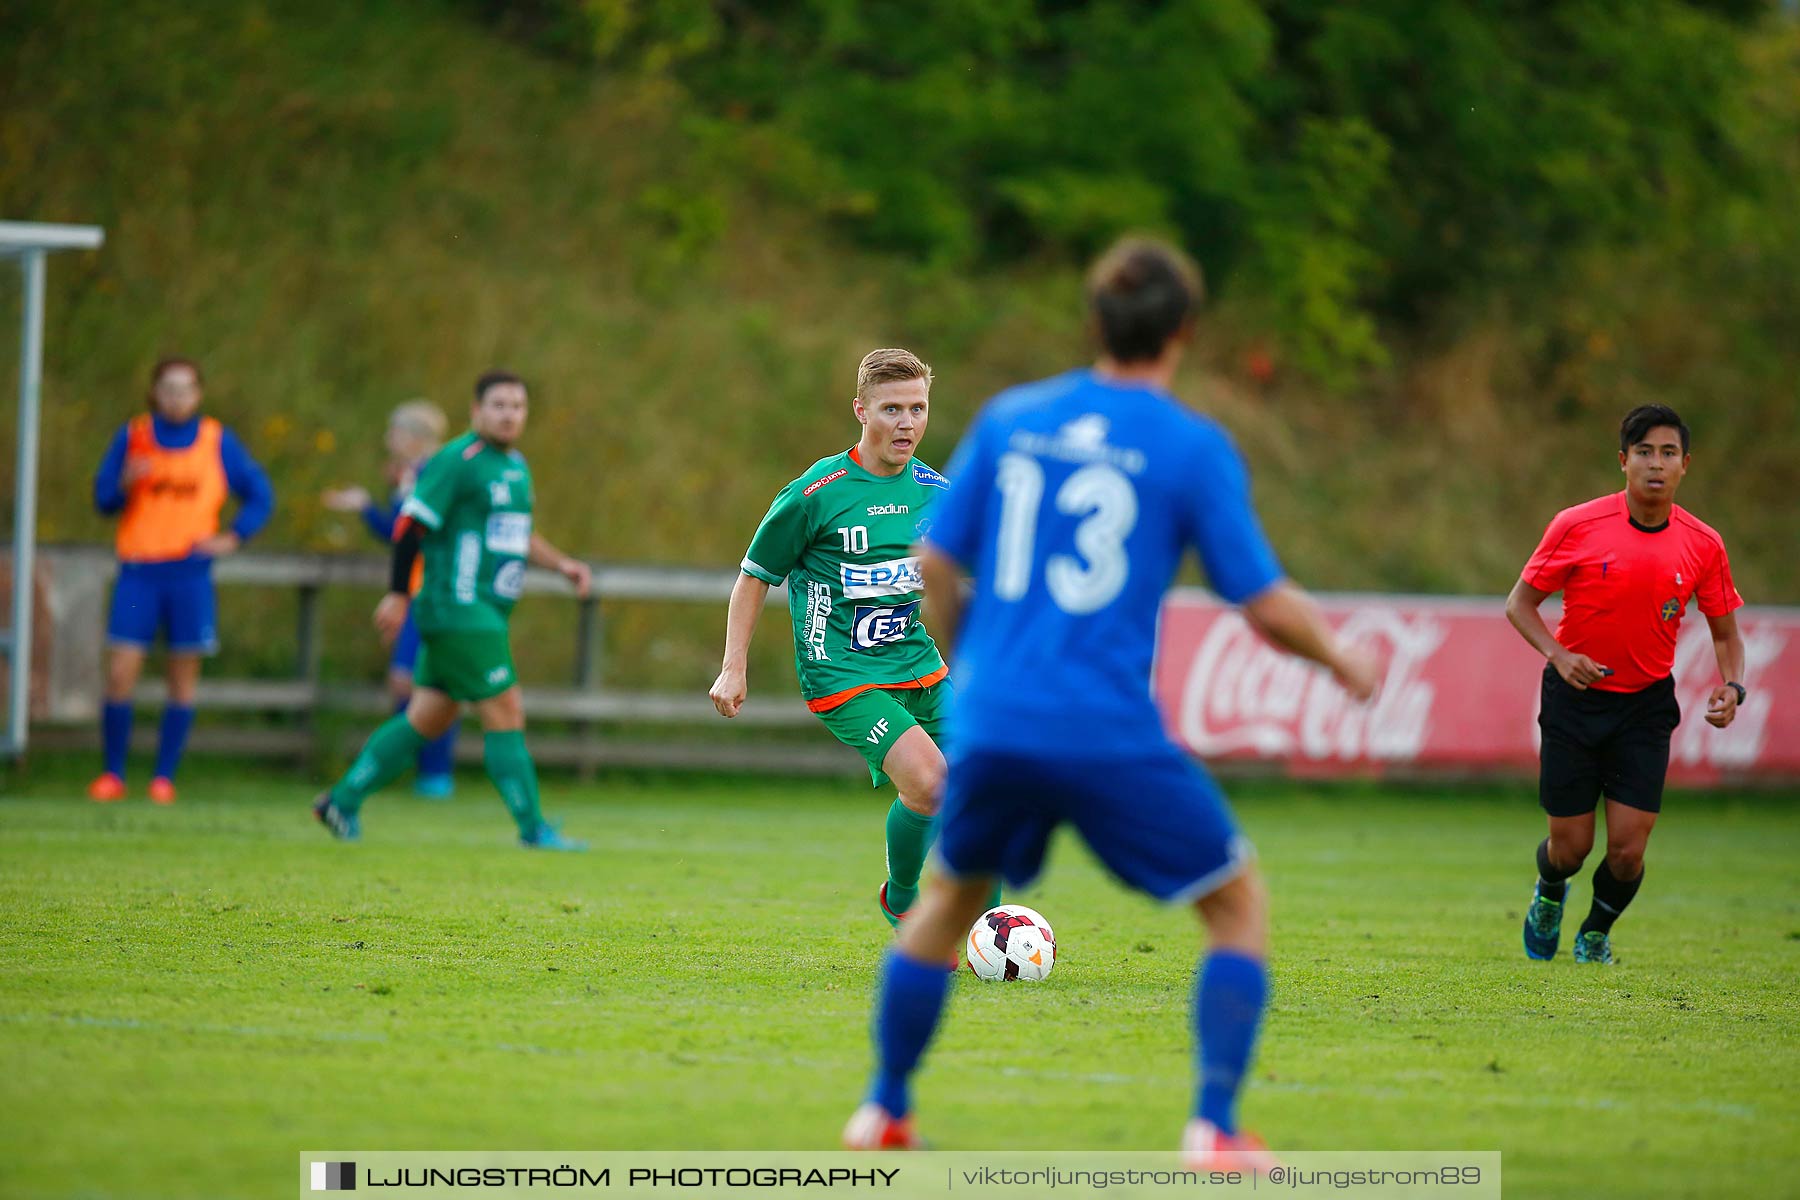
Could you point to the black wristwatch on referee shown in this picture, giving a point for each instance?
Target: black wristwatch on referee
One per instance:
(1739, 689)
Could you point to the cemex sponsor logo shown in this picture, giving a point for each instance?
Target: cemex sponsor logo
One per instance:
(818, 619)
(896, 577)
(509, 580)
(888, 510)
(816, 484)
(930, 478)
(875, 627)
(334, 1177)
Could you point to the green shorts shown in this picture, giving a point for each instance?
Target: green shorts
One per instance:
(871, 722)
(472, 664)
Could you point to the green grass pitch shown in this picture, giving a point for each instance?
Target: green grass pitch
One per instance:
(192, 996)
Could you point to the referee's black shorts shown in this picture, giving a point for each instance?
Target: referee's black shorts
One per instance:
(1612, 744)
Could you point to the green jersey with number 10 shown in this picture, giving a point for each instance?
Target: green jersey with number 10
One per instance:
(474, 501)
(841, 538)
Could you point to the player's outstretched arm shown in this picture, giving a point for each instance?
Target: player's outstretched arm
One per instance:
(543, 554)
(1577, 670)
(1291, 619)
(732, 685)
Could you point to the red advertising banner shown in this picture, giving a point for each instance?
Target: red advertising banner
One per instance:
(1460, 695)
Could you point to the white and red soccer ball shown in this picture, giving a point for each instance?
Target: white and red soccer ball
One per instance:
(1011, 942)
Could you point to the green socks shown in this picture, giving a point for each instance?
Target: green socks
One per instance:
(394, 747)
(390, 750)
(509, 765)
(909, 837)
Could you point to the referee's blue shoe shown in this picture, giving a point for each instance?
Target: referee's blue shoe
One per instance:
(434, 787)
(1543, 924)
(548, 837)
(1593, 947)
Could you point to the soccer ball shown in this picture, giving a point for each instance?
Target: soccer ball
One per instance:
(1011, 942)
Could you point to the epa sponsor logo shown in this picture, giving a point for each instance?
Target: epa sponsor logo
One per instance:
(888, 510)
(896, 577)
(930, 478)
(880, 626)
(509, 533)
(816, 484)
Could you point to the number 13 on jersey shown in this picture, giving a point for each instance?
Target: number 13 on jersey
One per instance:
(1102, 496)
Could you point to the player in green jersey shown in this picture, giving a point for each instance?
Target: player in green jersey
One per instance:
(470, 515)
(841, 537)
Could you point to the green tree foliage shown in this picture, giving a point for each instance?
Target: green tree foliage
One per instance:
(1348, 163)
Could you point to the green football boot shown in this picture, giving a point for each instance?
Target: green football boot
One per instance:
(1543, 924)
(1593, 947)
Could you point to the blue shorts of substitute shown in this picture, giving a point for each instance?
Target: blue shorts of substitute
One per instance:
(406, 647)
(1158, 822)
(172, 598)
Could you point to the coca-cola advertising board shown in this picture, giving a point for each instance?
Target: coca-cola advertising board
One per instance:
(1460, 693)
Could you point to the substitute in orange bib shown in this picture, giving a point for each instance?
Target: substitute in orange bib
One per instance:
(167, 475)
(1627, 565)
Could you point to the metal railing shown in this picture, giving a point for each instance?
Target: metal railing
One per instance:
(585, 702)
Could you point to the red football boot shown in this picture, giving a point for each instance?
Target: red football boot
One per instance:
(106, 788)
(871, 1127)
(1205, 1147)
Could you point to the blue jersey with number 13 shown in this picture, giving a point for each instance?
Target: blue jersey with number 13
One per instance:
(1074, 501)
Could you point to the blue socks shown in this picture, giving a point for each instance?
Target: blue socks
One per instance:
(906, 1015)
(176, 721)
(437, 757)
(115, 734)
(1229, 995)
(115, 727)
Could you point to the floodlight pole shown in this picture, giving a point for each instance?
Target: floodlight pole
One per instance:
(31, 376)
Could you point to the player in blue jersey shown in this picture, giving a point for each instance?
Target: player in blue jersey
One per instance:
(415, 432)
(1076, 498)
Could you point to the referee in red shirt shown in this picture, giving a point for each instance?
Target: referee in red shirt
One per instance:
(1627, 564)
